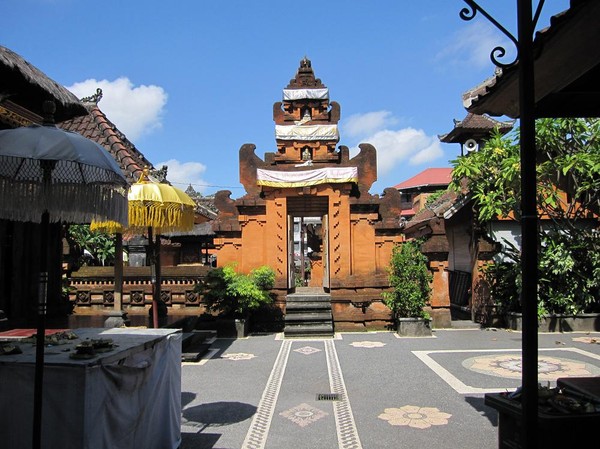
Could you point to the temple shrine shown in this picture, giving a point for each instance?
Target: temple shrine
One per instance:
(308, 214)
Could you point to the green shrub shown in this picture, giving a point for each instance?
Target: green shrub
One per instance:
(569, 275)
(409, 278)
(233, 294)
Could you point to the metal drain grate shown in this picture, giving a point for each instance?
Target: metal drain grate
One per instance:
(328, 397)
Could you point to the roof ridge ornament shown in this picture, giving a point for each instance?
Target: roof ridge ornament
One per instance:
(95, 99)
(305, 76)
(144, 176)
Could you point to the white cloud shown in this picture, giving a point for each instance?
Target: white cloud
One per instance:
(394, 146)
(404, 145)
(362, 124)
(470, 47)
(182, 174)
(135, 110)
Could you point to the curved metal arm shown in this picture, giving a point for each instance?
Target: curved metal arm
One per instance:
(469, 13)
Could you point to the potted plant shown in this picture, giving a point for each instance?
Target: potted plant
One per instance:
(409, 279)
(234, 295)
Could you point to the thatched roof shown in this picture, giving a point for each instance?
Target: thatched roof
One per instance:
(27, 86)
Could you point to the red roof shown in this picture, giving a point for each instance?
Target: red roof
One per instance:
(97, 127)
(428, 177)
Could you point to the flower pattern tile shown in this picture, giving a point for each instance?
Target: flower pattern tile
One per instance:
(307, 350)
(303, 414)
(589, 340)
(238, 356)
(510, 365)
(368, 344)
(415, 416)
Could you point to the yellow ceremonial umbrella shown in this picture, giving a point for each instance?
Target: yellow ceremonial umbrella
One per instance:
(155, 208)
(158, 208)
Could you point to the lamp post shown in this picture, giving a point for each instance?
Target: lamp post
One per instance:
(529, 225)
(529, 220)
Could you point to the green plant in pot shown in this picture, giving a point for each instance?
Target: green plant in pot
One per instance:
(409, 278)
(235, 295)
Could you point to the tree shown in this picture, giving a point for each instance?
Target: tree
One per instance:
(409, 278)
(568, 172)
(100, 245)
(568, 192)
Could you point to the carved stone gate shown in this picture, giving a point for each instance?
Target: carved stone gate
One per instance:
(309, 176)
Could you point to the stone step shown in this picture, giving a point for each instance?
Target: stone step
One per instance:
(308, 313)
(306, 330)
(308, 298)
(308, 316)
(312, 305)
(464, 324)
(194, 337)
(310, 291)
(195, 353)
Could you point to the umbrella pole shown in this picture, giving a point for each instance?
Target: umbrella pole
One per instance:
(158, 289)
(118, 301)
(41, 333)
(155, 273)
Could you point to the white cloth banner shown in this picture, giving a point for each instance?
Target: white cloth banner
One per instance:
(305, 94)
(306, 132)
(305, 178)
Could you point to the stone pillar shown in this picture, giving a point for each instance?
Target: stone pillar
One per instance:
(276, 228)
(339, 236)
(440, 296)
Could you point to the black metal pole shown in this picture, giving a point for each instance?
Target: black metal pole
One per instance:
(157, 291)
(41, 334)
(529, 226)
(118, 300)
(154, 275)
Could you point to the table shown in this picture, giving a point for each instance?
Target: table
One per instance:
(556, 430)
(128, 397)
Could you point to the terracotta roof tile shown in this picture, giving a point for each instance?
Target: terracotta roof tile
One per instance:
(97, 127)
(433, 210)
(428, 177)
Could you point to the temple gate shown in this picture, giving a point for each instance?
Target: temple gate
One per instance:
(344, 235)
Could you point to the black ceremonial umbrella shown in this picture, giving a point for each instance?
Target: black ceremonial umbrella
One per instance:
(47, 174)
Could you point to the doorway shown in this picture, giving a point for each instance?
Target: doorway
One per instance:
(308, 255)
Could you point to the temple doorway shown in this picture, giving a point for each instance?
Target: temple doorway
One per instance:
(308, 243)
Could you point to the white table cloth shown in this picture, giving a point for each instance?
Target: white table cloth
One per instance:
(129, 397)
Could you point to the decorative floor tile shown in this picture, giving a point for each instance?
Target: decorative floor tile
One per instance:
(415, 416)
(307, 350)
(238, 356)
(510, 365)
(589, 340)
(367, 344)
(303, 414)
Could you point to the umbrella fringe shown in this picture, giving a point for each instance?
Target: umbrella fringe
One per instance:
(107, 227)
(72, 203)
(163, 217)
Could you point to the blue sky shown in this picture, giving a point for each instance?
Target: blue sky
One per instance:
(190, 81)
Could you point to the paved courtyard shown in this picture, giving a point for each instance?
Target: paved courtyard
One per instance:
(365, 390)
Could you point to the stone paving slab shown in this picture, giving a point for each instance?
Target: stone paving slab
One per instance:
(260, 392)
